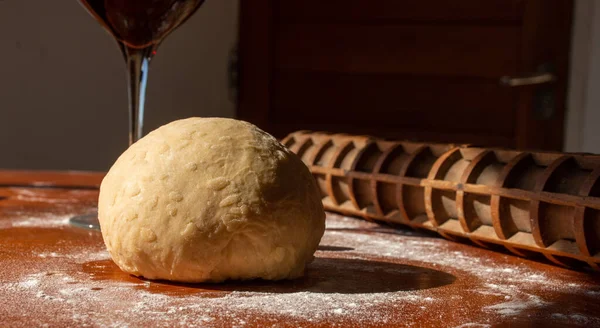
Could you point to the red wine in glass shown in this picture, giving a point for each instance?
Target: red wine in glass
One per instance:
(139, 26)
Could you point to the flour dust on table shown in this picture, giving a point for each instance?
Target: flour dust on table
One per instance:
(364, 275)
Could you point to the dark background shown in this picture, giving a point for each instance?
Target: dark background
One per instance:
(417, 70)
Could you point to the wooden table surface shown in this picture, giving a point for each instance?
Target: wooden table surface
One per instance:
(365, 275)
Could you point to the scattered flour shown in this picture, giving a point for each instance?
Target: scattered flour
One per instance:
(516, 306)
(47, 196)
(593, 292)
(79, 257)
(32, 282)
(67, 201)
(49, 221)
(86, 299)
(81, 299)
(45, 255)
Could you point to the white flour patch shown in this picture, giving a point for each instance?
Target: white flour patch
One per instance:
(343, 222)
(593, 292)
(575, 318)
(516, 306)
(47, 221)
(80, 257)
(45, 255)
(29, 195)
(30, 283)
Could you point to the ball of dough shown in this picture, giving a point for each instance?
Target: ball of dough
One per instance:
(210, 199)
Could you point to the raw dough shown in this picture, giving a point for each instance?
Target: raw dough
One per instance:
(210, 199)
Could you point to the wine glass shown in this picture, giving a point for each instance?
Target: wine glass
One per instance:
(139, 26)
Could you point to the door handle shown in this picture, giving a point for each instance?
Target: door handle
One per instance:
(543, 105)
(534, 79)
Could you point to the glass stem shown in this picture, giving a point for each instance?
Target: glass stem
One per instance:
(138, 63)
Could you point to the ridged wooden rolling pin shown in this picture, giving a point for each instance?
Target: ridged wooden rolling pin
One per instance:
(531, 203)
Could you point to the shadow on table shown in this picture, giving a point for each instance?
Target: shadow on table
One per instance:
(399, 231)
(324, 275)
(329, 248)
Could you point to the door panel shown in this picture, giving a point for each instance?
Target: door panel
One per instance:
(344, 98)
(480, 51)
(419, 70)
(395, 10)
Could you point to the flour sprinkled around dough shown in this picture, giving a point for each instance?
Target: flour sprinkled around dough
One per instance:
(79, 298)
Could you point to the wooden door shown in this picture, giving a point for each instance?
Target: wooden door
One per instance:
(426, 70)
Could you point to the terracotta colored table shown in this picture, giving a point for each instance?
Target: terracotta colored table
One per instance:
(365, 275)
